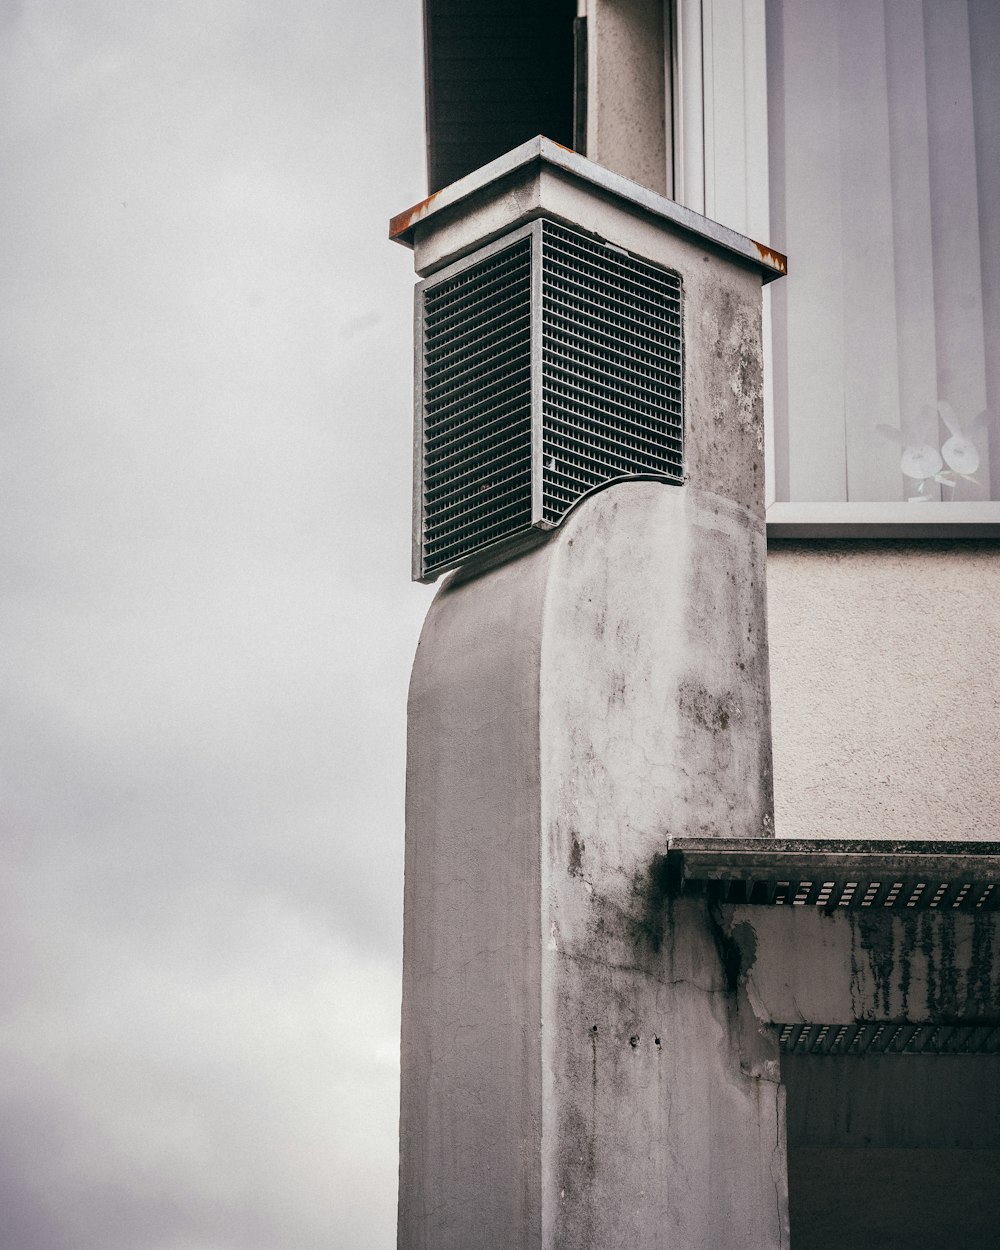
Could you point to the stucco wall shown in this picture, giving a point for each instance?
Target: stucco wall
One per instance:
(885, 687)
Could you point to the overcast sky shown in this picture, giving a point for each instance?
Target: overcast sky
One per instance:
(207, 618)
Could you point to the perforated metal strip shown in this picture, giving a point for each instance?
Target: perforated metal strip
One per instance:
(885, 1038)
(862, 893)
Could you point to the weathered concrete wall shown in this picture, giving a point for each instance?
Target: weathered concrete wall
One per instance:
(885, 679)
(663, 1115)
(807, 965)
(580, 1070)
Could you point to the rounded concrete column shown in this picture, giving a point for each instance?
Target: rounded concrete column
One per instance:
(566, 1028)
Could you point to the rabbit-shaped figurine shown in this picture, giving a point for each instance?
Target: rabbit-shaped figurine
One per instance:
(960, 453)
(920, 461)
(924, 463)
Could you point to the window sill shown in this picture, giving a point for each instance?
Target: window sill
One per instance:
(884, 520)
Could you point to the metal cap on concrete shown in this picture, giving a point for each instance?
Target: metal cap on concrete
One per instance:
(499, 178)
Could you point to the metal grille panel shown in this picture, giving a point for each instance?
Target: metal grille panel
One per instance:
(476, 398)
(549, 364)
(611, 368)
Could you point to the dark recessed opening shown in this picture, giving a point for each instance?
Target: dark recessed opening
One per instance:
(496, 76)
(893, 1151)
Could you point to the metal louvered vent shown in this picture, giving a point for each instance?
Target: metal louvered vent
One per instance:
(611, 368)
(548, 364)
(476, 397)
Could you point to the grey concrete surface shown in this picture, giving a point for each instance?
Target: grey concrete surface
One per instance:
(806, 965)
(626, 129)
(471, 1112)
(666, 1120)
(578, 1070)
(542, 177)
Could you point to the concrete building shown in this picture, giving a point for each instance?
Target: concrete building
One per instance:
(658, 991)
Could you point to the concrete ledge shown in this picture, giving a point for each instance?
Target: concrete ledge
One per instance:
(884, 520)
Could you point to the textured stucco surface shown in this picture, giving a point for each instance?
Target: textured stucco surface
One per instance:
(885, 686)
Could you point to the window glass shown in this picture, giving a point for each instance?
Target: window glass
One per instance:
(884, 159)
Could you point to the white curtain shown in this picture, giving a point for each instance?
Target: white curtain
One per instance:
(884, 150)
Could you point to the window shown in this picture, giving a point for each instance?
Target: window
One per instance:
(863, 139)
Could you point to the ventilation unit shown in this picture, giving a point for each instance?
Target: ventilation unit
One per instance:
(548, 364)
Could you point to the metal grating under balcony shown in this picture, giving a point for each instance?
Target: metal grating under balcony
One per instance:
(840, 875)
(888, 1038)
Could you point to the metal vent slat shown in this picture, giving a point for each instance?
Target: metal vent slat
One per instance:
(604, 379)
(604, 326)
(450, 335)
(490, 527)
(550, 365)
(626, 305)
(622, 411)
(461, 301)
(452, 429)
(452, 368)
(500, 453)
(625, 272)
(595, 431)
(563, 339)
(599, 428)
(468, 508)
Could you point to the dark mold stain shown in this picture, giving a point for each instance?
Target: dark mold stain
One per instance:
(576, 849)
(876, 937)
(982, 966)
(653, 896)
(708, 711)
(733, 948)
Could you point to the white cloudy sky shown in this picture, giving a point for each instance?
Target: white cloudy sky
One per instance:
(207, 621)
